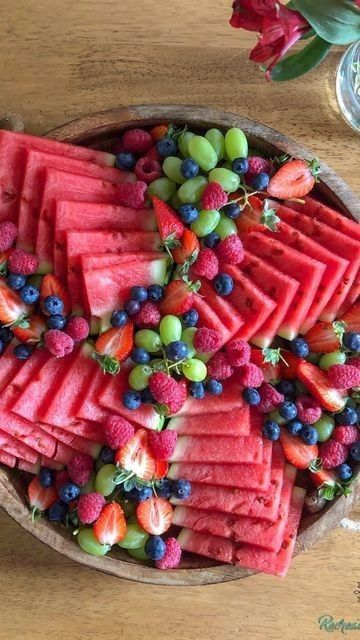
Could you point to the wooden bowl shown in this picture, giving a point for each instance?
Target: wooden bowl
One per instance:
(100, 130)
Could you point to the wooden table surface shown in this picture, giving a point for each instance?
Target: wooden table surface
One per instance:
(60, 60)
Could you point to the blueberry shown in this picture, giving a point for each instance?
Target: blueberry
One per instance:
(155, 548)
(181, 489)
(288, 410)
(214, 387)
(53, 305)
(299, 347)
(2, 346)
(355, 451)
(58, 511)
(139, 293)
(271, 430)
(5, 334)
(29, 294)
(177, 350)
(212, 240)
(140, 356)
(231, 210)
(251, 396)
(46, 477)
(344, 472)
(69, 492)
(22, 351)
(155, 292)
(107, 455)
(223, 284)
(351, 341)
(346, 417)
(260, 182)
(188, 213)
(309, 434)
(119, 318)
(15, 281)
(126, 161)
(166, 147)
(56, 322)
(286, 387)
(140, 495)
(190, 318)
(146, 396)
(164, 488)
(132, 307)
(197, 390)
(131, 400)
(189, 168)
(240, 165)
(294, 427)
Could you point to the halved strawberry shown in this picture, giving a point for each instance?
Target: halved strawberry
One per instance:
(155, 515)
(169, 225)
(161, 469)
(114, 346)
(52, 286)
(271, 371)
(322, 338)
(12, 308)
(294, 179)
(289, 368)
(257, 216)
(135, 456)
(40, 499)
(319, 385)
(352, 318)
(32, 332)
(188, 251)
(296, 452)
(178, 297)
(110, 527)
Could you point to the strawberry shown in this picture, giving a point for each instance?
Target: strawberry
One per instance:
(319, 385)
(52, 286)
(322, 477)
(294, 179)
(40, 499)
(178, 297)
(155, 515)
(158, 132)
(290, 366)
(114, 346)
(188, 250)
(110, 527)
(296, 452)
(12, 309)
(135, 456)
(352, 318)
(271, 372)
(161, 469)
(322, 338)
(257, 216)
(34, 330)
(169, 225)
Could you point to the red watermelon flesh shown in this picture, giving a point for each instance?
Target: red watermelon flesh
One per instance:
(327, 215)
(209, 318)
(13, 148)
(17, 447)
(307, 271)
(231, 423)
(77, 443)
(7, 459)
(42, 461)
(10, 366)
(24, 374)
(227, 314)
(278, 286)
(26, 432)
(88, 407)
(229, 399)
(204, 544)
(338, 244)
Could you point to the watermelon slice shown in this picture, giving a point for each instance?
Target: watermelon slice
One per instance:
(210, 319)
(77, 443)
(7, 459)
(17, 447)
(26, 432)
(88, 407)
(230, 423)
(227, 314)
(307, 271)
(278, 286)
(327, 215)
(42, 461)
(10, 366)
(229, 399)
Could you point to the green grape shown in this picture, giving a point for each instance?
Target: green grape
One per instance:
(206, 222)
(170, 329)
(135, 537)
(105, 479)
(314, 358)
(202, 152)
(163, 188)
(192, 189)
(89, 543)
(217, 141)
(328, 359)
(89, 487)
(226, 227)
(139, 554)
(175, 201)
(275, 415)
(187, 336)
(194, 370)
(236, 144)
(171, 168)
(324, 426)
(139, 377)
(148, 339)
(183, 143)
(128, 507)
(228, 179)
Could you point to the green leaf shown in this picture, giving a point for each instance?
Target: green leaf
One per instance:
(272, 356)
(315, 465)
(3, 268)
(269, 218)
(336, 21)
(107, 363)
(301, 62)
(339, 329)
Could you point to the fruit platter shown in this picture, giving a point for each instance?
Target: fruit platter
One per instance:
(180, 344)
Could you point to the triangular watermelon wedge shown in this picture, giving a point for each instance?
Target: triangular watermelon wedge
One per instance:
(226, 312)
(235, 422)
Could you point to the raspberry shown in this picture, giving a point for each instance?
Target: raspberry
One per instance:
(77, 328)
(206, 265)
(80, 468)
(213, 196)
(332, 453)
(148, 317)
(355, 362)
(270, 398)
(219, 366)
(206, 340)
(147, 169)
(250, 375)
(238, 352)
(8, 235)
(257, 165)
(167, 391)
(62, 477)
(117, 431)
(162, 443)
(58, 343)
(136, 140)
(132, 194)
(308, 409)
(22, 263)
(90, 506)
(230, 250)
(346, 435)
(172, 556)
(152, 153)
(344, 376)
